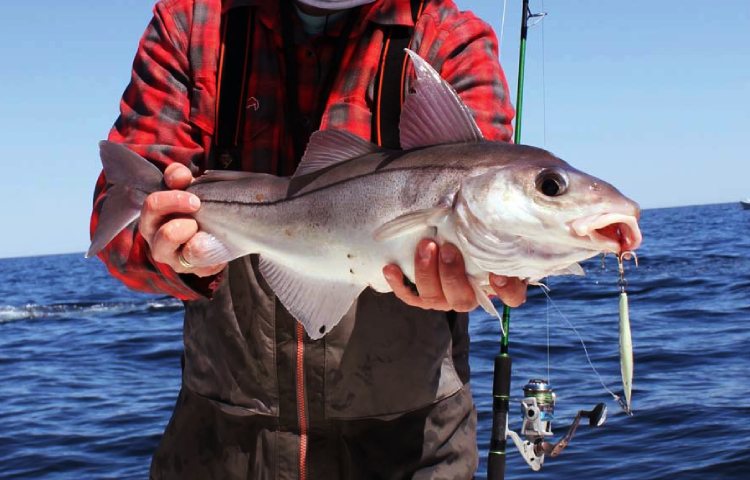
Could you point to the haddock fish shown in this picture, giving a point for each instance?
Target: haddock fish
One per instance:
(325, 234)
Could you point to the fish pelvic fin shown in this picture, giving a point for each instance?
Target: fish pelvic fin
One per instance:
(485, 302)
(132, 179)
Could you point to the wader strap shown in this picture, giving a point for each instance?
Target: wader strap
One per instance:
(390, 82)
(235, 60)
(295, 122)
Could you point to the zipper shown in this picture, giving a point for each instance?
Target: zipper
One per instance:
(301, 403)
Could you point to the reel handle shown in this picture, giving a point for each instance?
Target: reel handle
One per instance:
(596, 416)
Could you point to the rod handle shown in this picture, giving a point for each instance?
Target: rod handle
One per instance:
(500, 406)
(496, 466)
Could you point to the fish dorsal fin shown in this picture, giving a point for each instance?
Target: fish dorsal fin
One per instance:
(434, 113)
(317, 304)
(329, 147)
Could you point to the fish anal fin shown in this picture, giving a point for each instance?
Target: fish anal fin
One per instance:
(317, 304)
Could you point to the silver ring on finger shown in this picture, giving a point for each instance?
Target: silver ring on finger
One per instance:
(183, 261)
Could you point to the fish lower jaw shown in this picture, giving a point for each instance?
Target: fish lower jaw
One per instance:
(610, 232)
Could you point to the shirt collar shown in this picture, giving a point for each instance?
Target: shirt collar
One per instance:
(383, 12)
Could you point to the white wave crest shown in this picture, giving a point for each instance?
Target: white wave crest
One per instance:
(10, 313)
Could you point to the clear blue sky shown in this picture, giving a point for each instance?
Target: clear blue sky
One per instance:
(653, 96)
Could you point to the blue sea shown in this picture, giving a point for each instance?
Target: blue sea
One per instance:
(89, 371)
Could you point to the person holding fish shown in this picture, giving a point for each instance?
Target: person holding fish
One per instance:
(385, 393)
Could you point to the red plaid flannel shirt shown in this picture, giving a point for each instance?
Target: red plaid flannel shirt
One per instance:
(167, 111)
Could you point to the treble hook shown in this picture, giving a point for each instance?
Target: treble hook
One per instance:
(627, 255)
(621, 257)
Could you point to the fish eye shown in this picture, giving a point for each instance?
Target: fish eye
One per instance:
(551, 183)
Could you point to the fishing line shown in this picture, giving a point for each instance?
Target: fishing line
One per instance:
(502, 29)
(544, 85)
(585, 349)
(549, 378)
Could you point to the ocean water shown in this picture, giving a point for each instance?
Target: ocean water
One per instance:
(89, 371)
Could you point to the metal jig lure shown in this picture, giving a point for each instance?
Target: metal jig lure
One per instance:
(626, 340)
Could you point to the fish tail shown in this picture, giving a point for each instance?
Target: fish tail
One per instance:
(130, 178)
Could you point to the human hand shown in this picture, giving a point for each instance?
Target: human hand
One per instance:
(440, 276)
(169, 230)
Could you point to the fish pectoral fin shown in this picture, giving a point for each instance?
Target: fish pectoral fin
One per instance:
(411, 222)
(434, 113)
(329, 147)
(317, 304)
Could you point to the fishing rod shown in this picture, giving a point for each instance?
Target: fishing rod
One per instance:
(538, 404)
(503, 362)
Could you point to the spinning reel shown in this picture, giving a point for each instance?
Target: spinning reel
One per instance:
(538, 411)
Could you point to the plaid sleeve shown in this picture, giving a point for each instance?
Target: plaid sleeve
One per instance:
(154, 122)
(463, 48)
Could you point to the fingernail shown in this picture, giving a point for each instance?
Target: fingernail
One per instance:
(425, 251)
(195, 201)
(447, 254)
(388, 274)
(499, 281)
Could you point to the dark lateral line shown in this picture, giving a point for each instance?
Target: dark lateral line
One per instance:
(302, 195)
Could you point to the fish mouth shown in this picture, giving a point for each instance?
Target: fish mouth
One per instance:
(612, 232)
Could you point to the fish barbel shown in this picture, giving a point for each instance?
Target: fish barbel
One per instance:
(324, 235)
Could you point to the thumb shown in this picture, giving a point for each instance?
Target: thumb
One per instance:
(177, 176)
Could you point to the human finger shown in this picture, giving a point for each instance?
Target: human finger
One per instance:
(206, 271)
(168, 241)
(160, 206)
(395, 278)
(511, 290)
(427, 275)
(177, 176)
(455, 284)
(205, 254)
